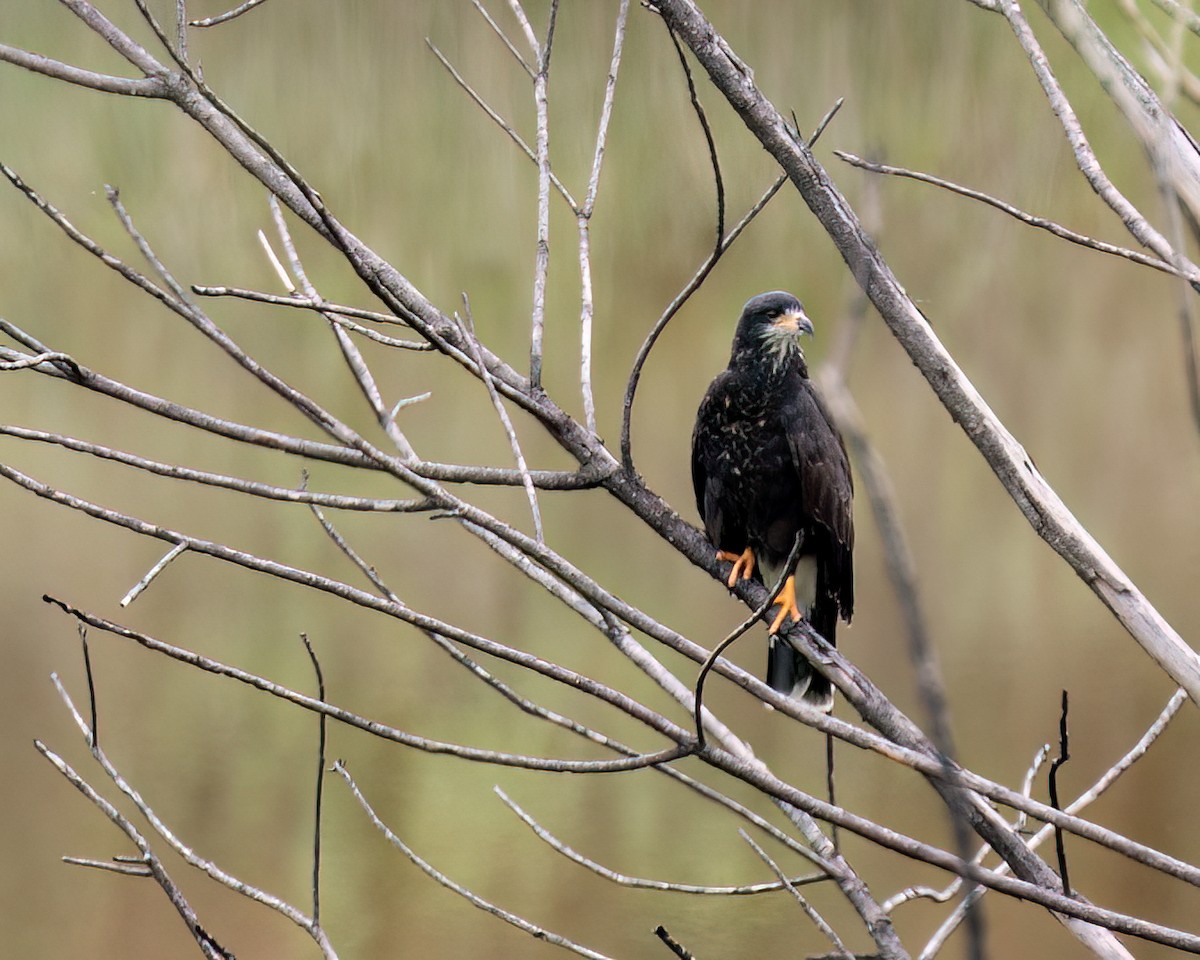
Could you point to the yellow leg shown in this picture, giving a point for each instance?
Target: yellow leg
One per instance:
(743, 565)
(787, 605)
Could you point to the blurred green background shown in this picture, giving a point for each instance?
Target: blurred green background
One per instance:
(1079, 354)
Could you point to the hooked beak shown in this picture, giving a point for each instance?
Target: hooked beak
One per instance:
(795, 322)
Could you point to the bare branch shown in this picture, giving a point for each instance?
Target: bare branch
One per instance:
(124, 86)
(27, 363)
(542, 256)
(491, 647)
(672, 944)
(1182, 14)
(251, 487)
(183, 850)
(526, 28)
(116, 38)
(353, 357)
(151, 864)
(1048, 225)
(321, 732)
(153, 572)
(469, 336)
(587, 306)
(181, 25)
(1085, 157)
(116, 865)
(1110, 776)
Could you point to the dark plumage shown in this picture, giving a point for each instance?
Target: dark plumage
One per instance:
(768, 463)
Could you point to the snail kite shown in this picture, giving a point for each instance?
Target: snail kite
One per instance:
(768, 465)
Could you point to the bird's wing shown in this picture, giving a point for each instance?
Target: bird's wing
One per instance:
(705, 447)
(819, 457)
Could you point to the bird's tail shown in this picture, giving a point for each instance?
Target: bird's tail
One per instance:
(790, 673)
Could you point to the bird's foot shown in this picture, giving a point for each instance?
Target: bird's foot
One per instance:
(787, 605)
(743, 565)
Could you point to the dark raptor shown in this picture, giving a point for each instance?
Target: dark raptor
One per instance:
(768, 464)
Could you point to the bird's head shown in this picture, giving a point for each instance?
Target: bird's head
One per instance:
(771, 326)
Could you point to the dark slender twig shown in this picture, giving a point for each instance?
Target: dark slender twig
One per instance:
(1064, 754)
(91, 684)
(738, 631)
(160, 827)
(709, 263)
(672, 944)
(831, 791)
(709, 139)
(208, 946)
(322, 720)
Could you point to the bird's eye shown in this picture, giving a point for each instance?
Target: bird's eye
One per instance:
(772, 314)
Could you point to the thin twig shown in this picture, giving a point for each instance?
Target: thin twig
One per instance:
(228, 15)
(819, 921)
(114, 198)
(1064, 754)
(186, 852)
(519, 922)
(250, 487)
(639, 883)
(294, 301)
(542, 256)
(93, 708)
(500, 121)
(135, 869)
(587, 305)
(1106, 780)
(320, 788)
(181, 25)
(467, 322)
(504, 38)
(153, 572)
(28, 363)
(672, 944)
(350, 352)
(153, 867)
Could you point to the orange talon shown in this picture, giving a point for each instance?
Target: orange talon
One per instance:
(743, 565)
(787, 605)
